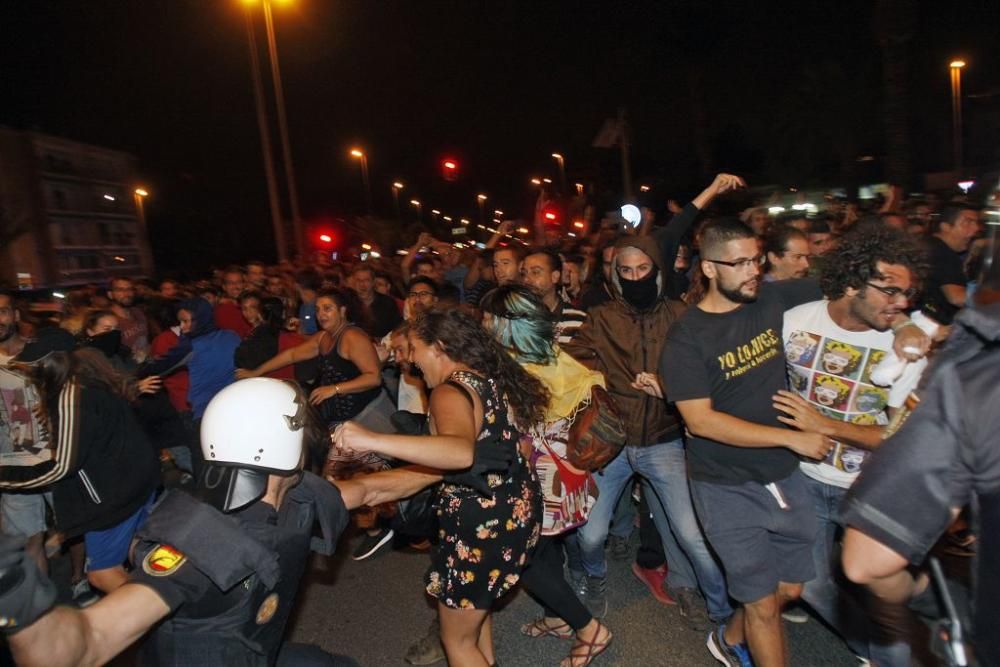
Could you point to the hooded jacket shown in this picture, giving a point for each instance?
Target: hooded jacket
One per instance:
(206, 351)
(621, 341)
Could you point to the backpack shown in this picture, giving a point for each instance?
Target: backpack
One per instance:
(597, 434)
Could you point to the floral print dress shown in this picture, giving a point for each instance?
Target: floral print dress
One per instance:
(484, 541)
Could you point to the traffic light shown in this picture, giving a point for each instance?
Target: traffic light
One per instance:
(449, 169)
(324, 239)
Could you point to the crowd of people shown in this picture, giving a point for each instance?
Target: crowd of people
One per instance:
(748, 359)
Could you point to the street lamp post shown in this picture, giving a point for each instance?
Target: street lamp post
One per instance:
(562, 171)
(396, 187)
(956, 114)
(265, 144)
(360, 155)
(415, 203)
(140, 195)
(286, 149)
(481, 199)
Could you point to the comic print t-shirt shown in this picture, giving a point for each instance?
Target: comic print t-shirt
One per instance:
(831, 368)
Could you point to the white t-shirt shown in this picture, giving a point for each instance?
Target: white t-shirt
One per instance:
(831, 367)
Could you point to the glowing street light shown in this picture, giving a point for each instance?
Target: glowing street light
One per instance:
(481, 199)
(359, 154)
(536, 181)
(415, 203)
(562, 170)
(955, 67)
(286, 149)
(498, 213)
(643, 188)
(140, 194)
(396, 187)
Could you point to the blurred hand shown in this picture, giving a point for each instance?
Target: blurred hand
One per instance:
(149, 385)
(648, 383)
(911, 343)
(320, 394)
(244, 373)
(351, 438)
(505, 227)
(724, 183)
(811, 445)
(801, 414)
(673, 206)
(425, 239)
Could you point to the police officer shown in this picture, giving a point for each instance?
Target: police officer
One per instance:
(945, 456)
(223, 572)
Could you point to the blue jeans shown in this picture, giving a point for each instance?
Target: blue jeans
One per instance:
(664, 468)
(834, 602)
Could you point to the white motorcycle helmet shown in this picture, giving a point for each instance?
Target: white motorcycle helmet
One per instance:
(250, 430)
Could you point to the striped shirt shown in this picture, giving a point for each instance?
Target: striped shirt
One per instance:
(568, 319)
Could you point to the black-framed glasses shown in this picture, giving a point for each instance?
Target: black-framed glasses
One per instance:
(893, 292)
(740, 263)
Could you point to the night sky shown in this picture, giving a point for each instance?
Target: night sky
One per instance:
(497, 85)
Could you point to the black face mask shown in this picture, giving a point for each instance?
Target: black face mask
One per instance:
(107, 342)
(641, 294)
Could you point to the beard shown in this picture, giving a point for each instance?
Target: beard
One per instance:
(736, 294)
(7, 332)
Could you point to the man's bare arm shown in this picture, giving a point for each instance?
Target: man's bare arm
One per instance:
(67, 637)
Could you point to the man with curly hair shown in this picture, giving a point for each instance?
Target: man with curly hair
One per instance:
(869, 279)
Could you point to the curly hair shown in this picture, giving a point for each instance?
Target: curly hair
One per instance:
(521, 323)
(852, 262)
(465, 341)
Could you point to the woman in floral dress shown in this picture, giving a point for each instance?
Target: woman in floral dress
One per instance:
(489, 504)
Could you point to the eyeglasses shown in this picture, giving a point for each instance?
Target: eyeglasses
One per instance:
(740, 263)
(421, 295)
(893, 292)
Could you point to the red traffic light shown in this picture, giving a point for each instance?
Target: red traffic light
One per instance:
(449, 169)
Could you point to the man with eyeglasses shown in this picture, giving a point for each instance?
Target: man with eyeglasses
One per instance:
(722, 364)
(867, 282)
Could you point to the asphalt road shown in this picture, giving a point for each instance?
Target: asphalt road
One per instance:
(372, 610)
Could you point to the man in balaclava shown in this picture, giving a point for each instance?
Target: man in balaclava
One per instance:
(623, 339)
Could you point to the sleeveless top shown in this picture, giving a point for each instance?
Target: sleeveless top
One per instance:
(335, 369)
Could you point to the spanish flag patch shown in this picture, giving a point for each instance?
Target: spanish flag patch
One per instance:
(162, 561)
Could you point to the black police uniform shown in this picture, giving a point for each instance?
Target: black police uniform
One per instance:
(231, 578)
(946, 455)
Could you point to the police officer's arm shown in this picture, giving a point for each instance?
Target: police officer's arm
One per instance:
(381, 487)
(910, 489)
(451, 447)
(91, 636)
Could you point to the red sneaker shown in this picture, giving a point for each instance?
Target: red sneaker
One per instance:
(653, 579)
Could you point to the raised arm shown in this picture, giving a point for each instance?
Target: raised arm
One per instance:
(308, 349)
(452, 447)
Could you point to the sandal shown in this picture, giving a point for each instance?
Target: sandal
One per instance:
(541, 628)
(587, 651)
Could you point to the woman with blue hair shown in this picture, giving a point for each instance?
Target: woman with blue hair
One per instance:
(523, 325)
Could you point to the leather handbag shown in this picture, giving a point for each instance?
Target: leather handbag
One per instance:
(597, 434)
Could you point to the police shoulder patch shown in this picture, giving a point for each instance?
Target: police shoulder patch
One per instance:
(162, 561)
(265, 612)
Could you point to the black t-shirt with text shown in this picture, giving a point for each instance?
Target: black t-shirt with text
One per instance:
(737, 360)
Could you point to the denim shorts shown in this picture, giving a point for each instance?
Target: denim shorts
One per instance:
(109, 547)
(23, 514)
(759, 543)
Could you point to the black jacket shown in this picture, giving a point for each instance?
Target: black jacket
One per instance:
(108, 468)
